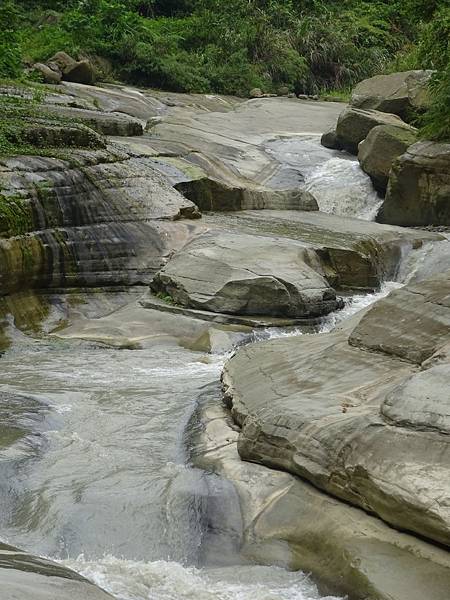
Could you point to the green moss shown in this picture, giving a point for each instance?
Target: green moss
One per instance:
(165, 298)
(26, 128)
(16, 216)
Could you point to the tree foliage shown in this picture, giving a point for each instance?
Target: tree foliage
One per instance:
(230, 46)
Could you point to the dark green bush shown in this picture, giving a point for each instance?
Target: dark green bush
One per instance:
(231, 46)
(10, 47)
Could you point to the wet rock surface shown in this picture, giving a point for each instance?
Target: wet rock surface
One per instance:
(23, 576)
(97, 219)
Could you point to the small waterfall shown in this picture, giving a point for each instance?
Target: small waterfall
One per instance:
(342, 188)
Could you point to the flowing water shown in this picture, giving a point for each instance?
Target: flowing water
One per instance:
(334, 178)
(101, 481)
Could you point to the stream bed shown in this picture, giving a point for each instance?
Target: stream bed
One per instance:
(101, 480)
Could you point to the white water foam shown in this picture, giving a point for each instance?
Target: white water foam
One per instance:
(341, 187)
(162, 580)
(352, 306)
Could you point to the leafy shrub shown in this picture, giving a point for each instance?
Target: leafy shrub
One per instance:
(436, 121)
(10, 48)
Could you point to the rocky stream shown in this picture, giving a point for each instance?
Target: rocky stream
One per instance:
(221, 378)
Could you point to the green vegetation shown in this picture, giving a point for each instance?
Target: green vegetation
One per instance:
(309, 46)
(16, 216)
(26, 129)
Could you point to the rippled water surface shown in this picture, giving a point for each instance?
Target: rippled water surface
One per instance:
(101, 480)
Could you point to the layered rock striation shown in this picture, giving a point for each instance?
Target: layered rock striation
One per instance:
(345, 410)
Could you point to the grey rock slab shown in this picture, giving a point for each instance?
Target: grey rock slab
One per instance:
(314, 406)
(153, 302)
(418, 192)
(421, 402)
(354, 125)
(247, 275)
(133, 326)
(354, 253)
(117, 99)
(25, 577)
(286, 521)
(107, 123)
(231, 144)
(411, 323)
(398, 93)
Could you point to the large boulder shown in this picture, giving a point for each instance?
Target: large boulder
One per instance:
(72, 70)
(289, 269)
(399, 93)
(48, 74)
(353, 419)
(329, 140)
(244, 274)
(419, 187)
(381, 147)
(354, 124)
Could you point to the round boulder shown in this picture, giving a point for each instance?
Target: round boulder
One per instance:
(354, 124)
(48, 75)
(402, 94)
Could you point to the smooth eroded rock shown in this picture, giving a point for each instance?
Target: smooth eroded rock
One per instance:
(354, 124)
(381, 147)
(242, 274)
(351, 418)
(419, 187)
(411, 323)
(98, 219)
(281, 519)
(402, 93)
